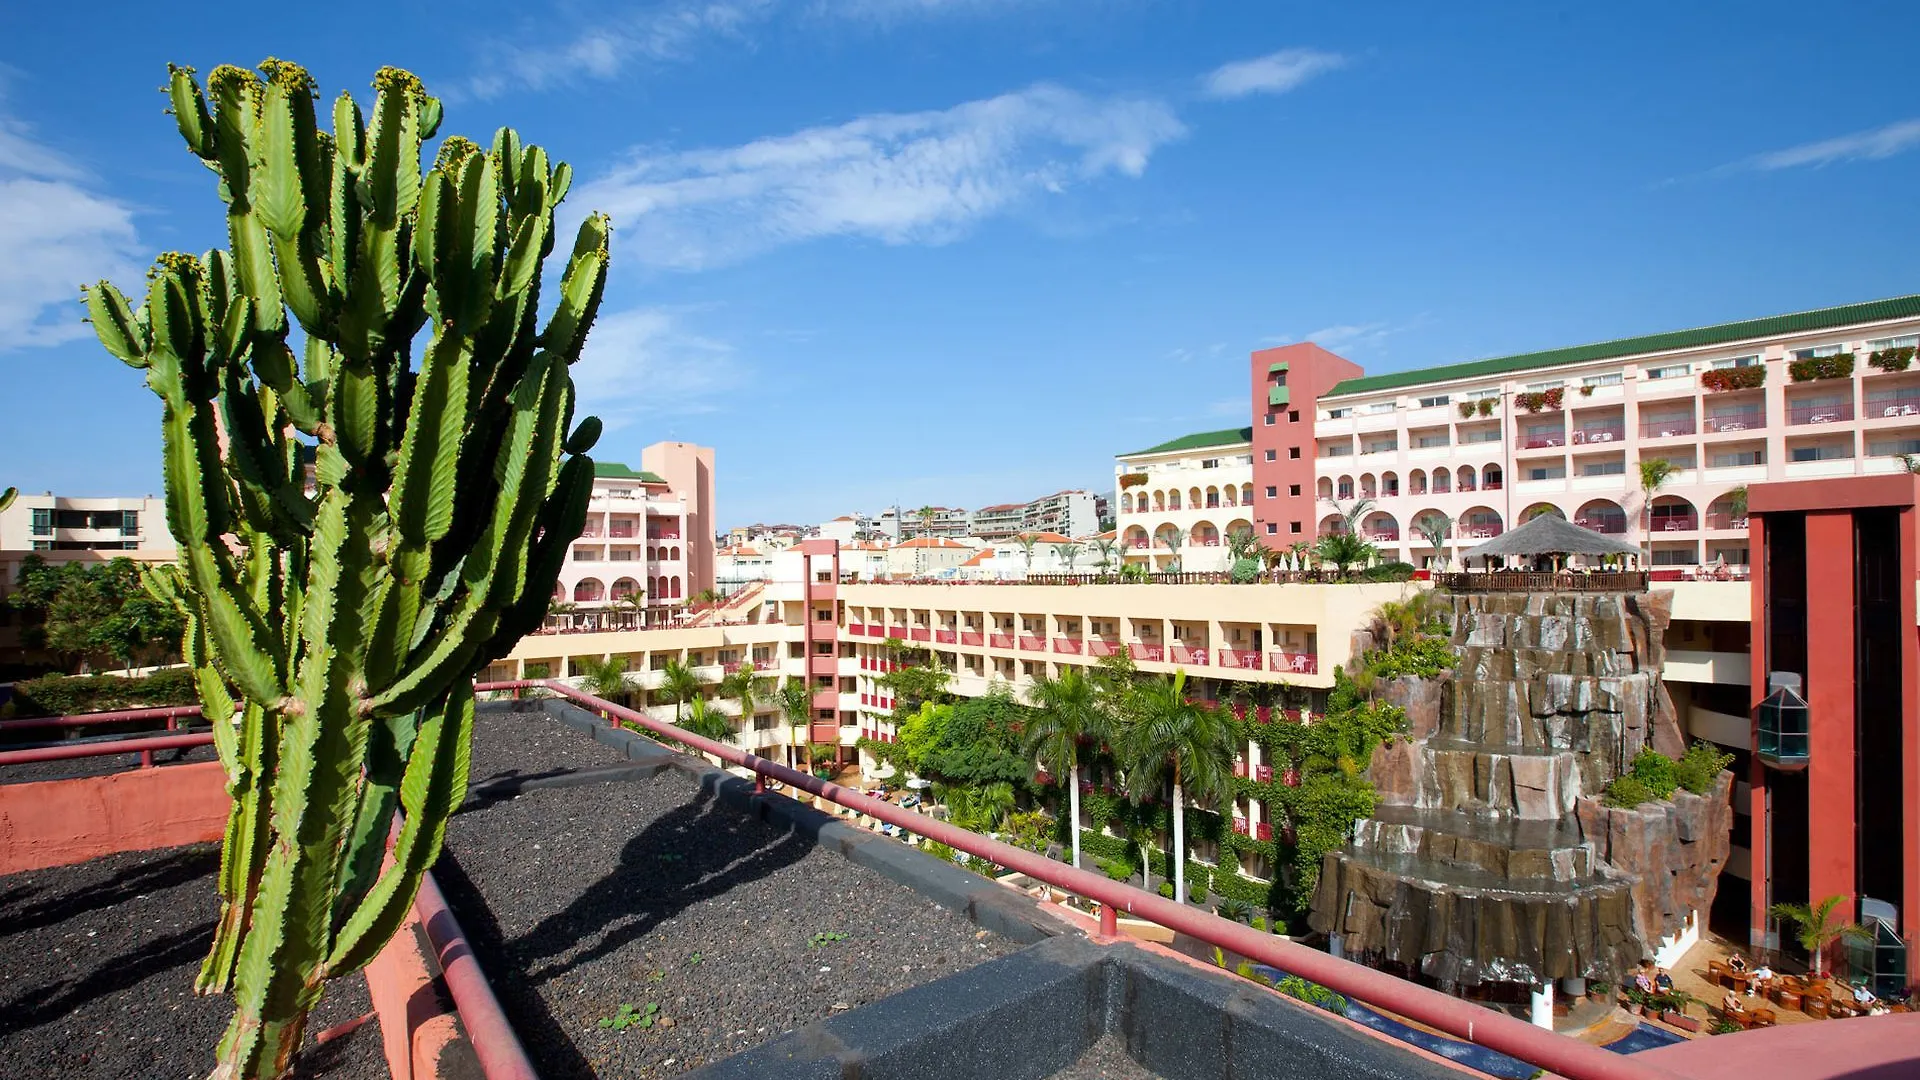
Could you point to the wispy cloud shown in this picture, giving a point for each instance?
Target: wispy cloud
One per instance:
(55, 232)
(1881, 142)
(1348, 337)
(650, 362)
(1274, 73)
(922, 177)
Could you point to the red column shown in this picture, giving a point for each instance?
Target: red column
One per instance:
(1910, 731)
(1756, 772)
(1830, 697)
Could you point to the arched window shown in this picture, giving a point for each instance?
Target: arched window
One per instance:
(1173, 500)
(588, 591)
(1246, 494)
(676, 587)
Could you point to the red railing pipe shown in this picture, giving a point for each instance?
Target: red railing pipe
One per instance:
(494, 1042)
(104, 748)
(1568, 1057)
(172, 712)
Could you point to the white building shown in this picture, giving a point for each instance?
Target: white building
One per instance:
(1180, 500)
(49, 522)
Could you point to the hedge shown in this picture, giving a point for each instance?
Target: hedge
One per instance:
(71, 695)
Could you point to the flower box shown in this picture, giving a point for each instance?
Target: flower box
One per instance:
(1542, 400)
(1891, 359)
(1814, 368)
(1721, 380)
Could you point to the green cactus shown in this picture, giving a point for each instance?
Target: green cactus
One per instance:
(336, 617)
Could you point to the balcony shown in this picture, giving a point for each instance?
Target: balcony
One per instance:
(1735, 420)
(1599, 433)
(1539, 440)
(1820, 414)
(1667, 429)
(1183, 654)
(1102, 647)
(897, 632)
(1245, 659)
(1144, 650)
(972, 637)
(766, 663)
(1381, 536)
(1899, 403)
(1029, 643)
(663, 534)
(626, 532)
(1067, 645)
(588, 533)
(945, 637)
(921, 633)
(1000, 641)
(1727, 521)
(1674, 523)
(1297, 662)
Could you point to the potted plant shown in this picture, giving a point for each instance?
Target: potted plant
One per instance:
(1636, 1000)
(1721, 380)
(1466, 407)
(1837, 366)
(1599, 990)
(1485, 406)
(1587, 390)
(1891, 359)
(1673, 1009)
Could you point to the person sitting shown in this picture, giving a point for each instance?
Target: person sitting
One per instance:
(1732, 1005)
(1737, 962)
(1761, 976)
(1864, 996)
(1662, 981)
(1641, 982)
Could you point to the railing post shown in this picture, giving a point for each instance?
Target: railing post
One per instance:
(1109, 921)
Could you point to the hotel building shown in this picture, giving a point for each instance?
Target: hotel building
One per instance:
(649, 532)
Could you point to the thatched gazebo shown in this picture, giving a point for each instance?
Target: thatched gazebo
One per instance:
(1551, 535)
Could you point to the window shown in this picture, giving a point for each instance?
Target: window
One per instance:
(1817, 350)
(1293, 490)
(47, 545)
(1292, 527)
(1435, 402)
(1543, 387)
(42, 521)
(1829, 452)
(1910, 341)
(1490, 392)
(583, 554)
(1484, 435)
(1612, 378)
(1752, 360)
(1269, 419)
(1273, 491)
(1272, 528)
(1675, 556)
(1603, 468)
(1339, 414)
(1273, 455)
(1732, 459)
(1293, 416)
(1293, 453)
(1427, 441)
(1894, 446)
(1337, 451)
(1669, 371)
(1547, 472)
(129, 523)
(1279, 378)
(1210, 463)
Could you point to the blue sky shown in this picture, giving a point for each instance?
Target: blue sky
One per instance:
(964, 251)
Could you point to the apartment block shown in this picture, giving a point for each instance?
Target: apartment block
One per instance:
(946, 522)
(648, 534)
(49, 523)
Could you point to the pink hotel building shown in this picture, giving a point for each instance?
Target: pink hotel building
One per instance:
(649, 531)
(1490, 443)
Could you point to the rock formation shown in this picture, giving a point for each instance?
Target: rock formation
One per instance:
(1491, 856)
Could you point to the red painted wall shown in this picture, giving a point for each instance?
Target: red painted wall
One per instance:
(1830, 696)
(1311, 372)
(62, 822)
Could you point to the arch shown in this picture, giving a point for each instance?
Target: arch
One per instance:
(673, 553)
(1417, 482)
(1239, 525)
(1671, 513)
(1173, 500)
(1166, 529)
(1540, 508)
(1193, 497)
(624, 588)
(1344, 489)
(1213, 497)
(674, 587)
(1159, 500)
(1368, 487)
(1726, 512)
(1232, 495)
(653, 553)
(1491, 478)
(1602, 516)
(1389, 483)
(1246, 494)
(1413, 524)
(1204, 534)
(588, 591)
(1331, 524)
(1126, 502)
(1465, 478)
(1136, 536)
(1479, 523)
(559, 591)
(1380, 526)
(1442, 481)
(1325, 487)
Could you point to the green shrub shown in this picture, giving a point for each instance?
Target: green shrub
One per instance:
(1700, 766)
(1389, 571)
(1657, 771)
(71, 695)
(939, 850)
(1197, 893)
(1628, 792)
(1165, 890)
(1117, 869)
(1427, 657)
(1260, 922)
(1234, 908)
(1245, 570)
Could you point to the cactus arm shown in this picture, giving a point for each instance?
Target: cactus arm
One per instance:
(115, 326)
(580, 291)
(189, 108)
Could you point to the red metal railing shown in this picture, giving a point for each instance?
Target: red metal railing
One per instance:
(1145, 650)
(1102, 647)
(1298, 663)
(1820, 414)
(1183, 654)
(1030, 643)
(922, 633)
(1666, 429)
(144, 746)
(946, 637)
(171, 714)
(1568, 1057)
(1066, 645)
(972, 637)
(1000, 641)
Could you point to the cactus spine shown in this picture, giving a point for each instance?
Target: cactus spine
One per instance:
(336, 622)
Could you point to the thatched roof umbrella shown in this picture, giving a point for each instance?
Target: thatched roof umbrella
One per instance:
(1549, 534)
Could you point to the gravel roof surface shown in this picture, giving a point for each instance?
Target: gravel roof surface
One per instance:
(1106, 1059)
(582, 899)
(98, 766)
(97, 979)
(531, 743)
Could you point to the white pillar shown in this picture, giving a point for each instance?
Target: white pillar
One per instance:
(1335, 947)
(1542, 1005)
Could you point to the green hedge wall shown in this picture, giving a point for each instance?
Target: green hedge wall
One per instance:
(71, 695)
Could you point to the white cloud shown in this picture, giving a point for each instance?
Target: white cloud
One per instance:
(1348, 337)
(650, 362)
(656, 35)
(899, 178)
(1274, 73)
(54, 234)
(1881, 142)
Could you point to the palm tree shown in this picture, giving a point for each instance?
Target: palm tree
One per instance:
(1242, 544)
(708, 723)
(1027, 542)
(1104, 547)
(1168, 737)
(926, 514)
(679, 682)
(1173, 538)
(1819, 930)
(743, 686)
(1066, 553)
(1352, 512)
(1654, 473)
(1066, 712)
(607, 678)
(796, 706)
(634, 604)
(1344, 549)
(1434, 528)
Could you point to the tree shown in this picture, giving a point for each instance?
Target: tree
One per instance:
(1173, 538)
(795, 702)
(387, 323)
(1166, 737)
(1103, 546)
(1819, 929)
(705, 721)
(1737, 500)
(88, 614)
(1654, 474)
(1242, 544)
(916, 680)
(746, 689)
(1027, 542)
(633, 604)
(1066, 553)
(607, 678)
(1344, 549)
(1352, 513)
(926, 514)
(680, 684)
(1067, 711)
(1434, 528)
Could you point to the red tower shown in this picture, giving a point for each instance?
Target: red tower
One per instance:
(1287, 381)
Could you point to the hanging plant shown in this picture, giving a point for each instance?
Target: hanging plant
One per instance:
(1542, 400)
(1814, 368)
(1891, 359)
(1466, 407)
(1485, 407)
(1721, 380)
(1133, 480)
(1587, 390)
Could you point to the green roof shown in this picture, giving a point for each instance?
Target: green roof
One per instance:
(1200, 441)
(1898, 307)
(613, 470)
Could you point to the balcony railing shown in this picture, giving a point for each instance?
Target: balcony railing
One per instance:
(899, 632)
(972, 637)
(1528, 581)
(1600, 433)
(663, 534)
(1144, 650)
(1297, 662)
(1727, 521)
(1667, 429)
(1539, 440)
(1881, 406)
(1820, 414)
(1735, 420)
(1382, 536)
(1184, 654)
(945, 637)
(625, 532)
(765, 663)
(1248, 659)
(1000, 641)
(1066, 645)
(1675, 523)
(1102, 647)
(1470, 531)
(1612, 525)
(1029, 643)
(921, 633)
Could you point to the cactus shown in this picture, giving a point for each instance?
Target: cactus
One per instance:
(361, 529)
